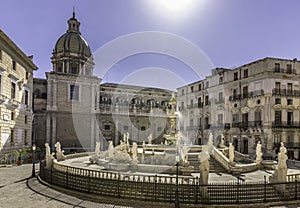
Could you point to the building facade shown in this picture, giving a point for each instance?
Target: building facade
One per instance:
(71, 107)
(16, 88)
(259, 101)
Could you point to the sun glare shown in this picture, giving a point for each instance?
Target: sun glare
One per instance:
(175, 5)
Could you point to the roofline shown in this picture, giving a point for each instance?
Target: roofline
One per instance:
(18, 50)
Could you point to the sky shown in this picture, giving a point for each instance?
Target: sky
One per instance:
(158, 43)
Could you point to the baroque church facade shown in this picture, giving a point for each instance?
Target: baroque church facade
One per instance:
(73, 108)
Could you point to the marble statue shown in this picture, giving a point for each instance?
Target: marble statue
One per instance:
(110, 149)
(127, 138)
(150, 139)
(184, 154)
(49, 156)
(204, 165)
(280, 172)
(134, 150)
(258, 153)
(59, 153)
(222, 143)
(231, 152)
(97, 149)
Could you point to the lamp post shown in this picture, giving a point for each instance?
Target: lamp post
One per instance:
(33, 160)
(176, 191)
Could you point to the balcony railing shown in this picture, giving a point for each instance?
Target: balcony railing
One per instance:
(285, 92)
(246, 124)
(220, 126)
(285, 124)
(285, 71)
(246, 95)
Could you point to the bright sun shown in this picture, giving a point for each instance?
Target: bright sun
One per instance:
(175, 5)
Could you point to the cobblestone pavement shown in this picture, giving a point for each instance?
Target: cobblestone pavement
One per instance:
(19, 190)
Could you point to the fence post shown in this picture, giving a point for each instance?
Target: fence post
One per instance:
(118, 184)
(197, 190)
(238, 190)
(265, 189)
(67, 177)
(89, 182)
(296, 189)
(155, 187)
(51, 172)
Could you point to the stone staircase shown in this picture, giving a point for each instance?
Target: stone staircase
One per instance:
(215, 166)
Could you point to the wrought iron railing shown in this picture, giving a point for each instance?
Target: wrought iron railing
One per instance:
(285, 92)
(285, 124)
(161, 188)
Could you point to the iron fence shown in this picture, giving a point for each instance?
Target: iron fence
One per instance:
(157, 188)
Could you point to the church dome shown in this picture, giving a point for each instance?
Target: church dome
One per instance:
(72, 41)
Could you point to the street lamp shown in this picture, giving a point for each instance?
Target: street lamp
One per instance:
(176, 191)
(33, 160)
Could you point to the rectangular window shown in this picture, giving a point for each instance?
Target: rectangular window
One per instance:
(289, 68)
(290, 86)
(11, 136)
(199, 87)
(206, 100)
(235, 76)
(235, 120)
(13, 65)
(192, 103)
(245, 117)
(290, 118)
(199, 102)
(25, 119)
(220, 97)
(257, 115)
(182, 92)
(25, 137)
(192, 89)
(245, 92)
(182, 105)
(277, 117)
(74, 70)
(206, 123)
(74, 92)
(290, 101)
(13, 90)
(277, 138)
(277, 101)
(26, 97)
(277, 67)
(221, 80)
(207, 84)
(220, 119)
(12, 116)
(245, 73)
(278, 85)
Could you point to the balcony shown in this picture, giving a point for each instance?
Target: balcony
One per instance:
(292, 145)
(284, 71)
(247, 124)
(285, 92)
(285, 124)
(221, 126)
(251, 94)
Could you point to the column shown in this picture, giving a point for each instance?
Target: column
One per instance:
(54, 95)
(53, 129)
(48, 128)
(63, 67)
(93, 98)
(116, 133)
(49, 87)
(92, 139)
(67, 67)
